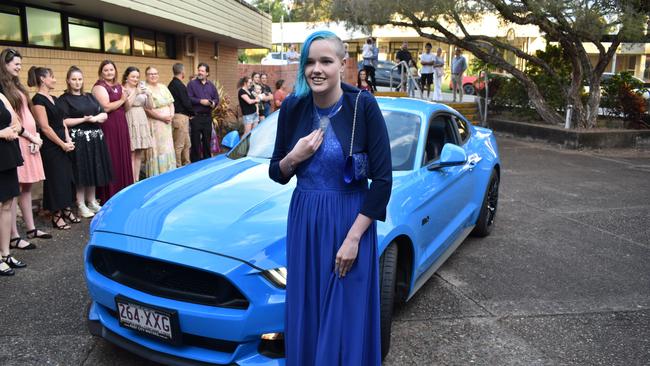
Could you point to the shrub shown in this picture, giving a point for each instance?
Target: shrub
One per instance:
(633, 106)
(618, 91)
(511, 94)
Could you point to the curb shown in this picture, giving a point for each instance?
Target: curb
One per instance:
(573, 139)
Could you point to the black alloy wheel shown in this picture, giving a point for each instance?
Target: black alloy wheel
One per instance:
(488, 212)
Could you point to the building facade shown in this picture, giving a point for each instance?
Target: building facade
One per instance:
(140, 33)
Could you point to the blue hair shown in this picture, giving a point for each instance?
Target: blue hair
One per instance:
(301, 88)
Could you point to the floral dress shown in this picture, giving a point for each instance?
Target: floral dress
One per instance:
(162, 156)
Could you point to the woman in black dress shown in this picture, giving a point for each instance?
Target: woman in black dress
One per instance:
(91, 162)
(58, 188)
(9, 189)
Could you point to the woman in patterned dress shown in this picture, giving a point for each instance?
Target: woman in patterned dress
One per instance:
(162, 157)
(137, 97)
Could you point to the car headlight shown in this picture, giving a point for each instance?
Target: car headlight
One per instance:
(277, 276)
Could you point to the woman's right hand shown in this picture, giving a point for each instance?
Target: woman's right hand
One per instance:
(307, 146)
(68, 146)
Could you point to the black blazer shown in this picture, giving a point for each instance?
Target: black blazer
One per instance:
(371, 136)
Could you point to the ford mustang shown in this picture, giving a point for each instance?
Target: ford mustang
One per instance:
(188, 268)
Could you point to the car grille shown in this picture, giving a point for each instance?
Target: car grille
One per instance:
(168, 280)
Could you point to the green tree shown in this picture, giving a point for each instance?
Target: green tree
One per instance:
(569, 23)
(275, 8)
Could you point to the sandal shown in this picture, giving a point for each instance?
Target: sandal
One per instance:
(55, 222)
(13, 262)
(31, 234)
(5, 269)
(67, 213)
(15, 244)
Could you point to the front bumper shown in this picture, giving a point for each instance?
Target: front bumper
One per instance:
(222, 336)
(97, 329)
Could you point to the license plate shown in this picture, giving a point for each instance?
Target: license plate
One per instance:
(150, 320)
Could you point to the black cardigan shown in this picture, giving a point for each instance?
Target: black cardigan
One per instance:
(295, 122)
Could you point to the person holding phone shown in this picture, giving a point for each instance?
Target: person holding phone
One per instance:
(138, 97)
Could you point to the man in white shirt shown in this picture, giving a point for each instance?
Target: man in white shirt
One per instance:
(438, 73)
(426, 73)
(292, 56)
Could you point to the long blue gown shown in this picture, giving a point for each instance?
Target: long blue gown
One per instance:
(330, 320)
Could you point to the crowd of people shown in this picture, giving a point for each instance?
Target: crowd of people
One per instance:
(87, 146)
(432, 71)
(256, 100)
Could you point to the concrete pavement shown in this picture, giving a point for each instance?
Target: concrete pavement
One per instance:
(563, 279)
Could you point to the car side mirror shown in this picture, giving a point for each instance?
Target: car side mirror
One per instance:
(451, 155)
(231, 139)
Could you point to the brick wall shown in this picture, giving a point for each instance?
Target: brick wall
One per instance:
(60, 60)
(224, 69)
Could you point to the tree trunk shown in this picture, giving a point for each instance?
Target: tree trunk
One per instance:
(593, 104)
(545, 111)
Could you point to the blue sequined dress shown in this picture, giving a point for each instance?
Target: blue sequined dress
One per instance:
(330, 321)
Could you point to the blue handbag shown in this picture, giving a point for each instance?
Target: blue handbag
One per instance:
(356, 165)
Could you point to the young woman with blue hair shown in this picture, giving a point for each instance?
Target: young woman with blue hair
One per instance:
(332, 312)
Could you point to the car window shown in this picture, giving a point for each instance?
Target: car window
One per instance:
(441, 131)
(403, 130)
(463, 129)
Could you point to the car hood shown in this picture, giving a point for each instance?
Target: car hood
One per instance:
(223, 206)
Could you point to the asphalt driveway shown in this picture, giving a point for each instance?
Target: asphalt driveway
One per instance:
(563, 279)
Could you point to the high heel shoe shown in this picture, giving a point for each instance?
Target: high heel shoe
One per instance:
(56, 218)
(67, 213)
(13, 262)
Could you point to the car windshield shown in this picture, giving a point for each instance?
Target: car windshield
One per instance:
(403, 131)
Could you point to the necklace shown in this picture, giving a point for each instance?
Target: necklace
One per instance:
(324, 117)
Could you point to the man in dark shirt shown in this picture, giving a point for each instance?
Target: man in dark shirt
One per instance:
(404, 55)
(204, 98)
(182, 113)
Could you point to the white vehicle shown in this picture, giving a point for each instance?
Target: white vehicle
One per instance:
(275, 58)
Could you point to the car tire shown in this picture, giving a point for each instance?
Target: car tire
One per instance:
(387, 282)
(488, 212)
(469, 89)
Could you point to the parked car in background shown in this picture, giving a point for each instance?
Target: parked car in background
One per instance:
(189, 267)
(495, 80)
(383, 72)
(607, 76)
(275, 58)
(468, 85)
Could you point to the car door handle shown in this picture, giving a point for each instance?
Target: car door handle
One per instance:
(472, 160)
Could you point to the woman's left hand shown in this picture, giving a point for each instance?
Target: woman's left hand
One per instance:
(346, 256)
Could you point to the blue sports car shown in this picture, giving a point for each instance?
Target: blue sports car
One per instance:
(188, 268)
